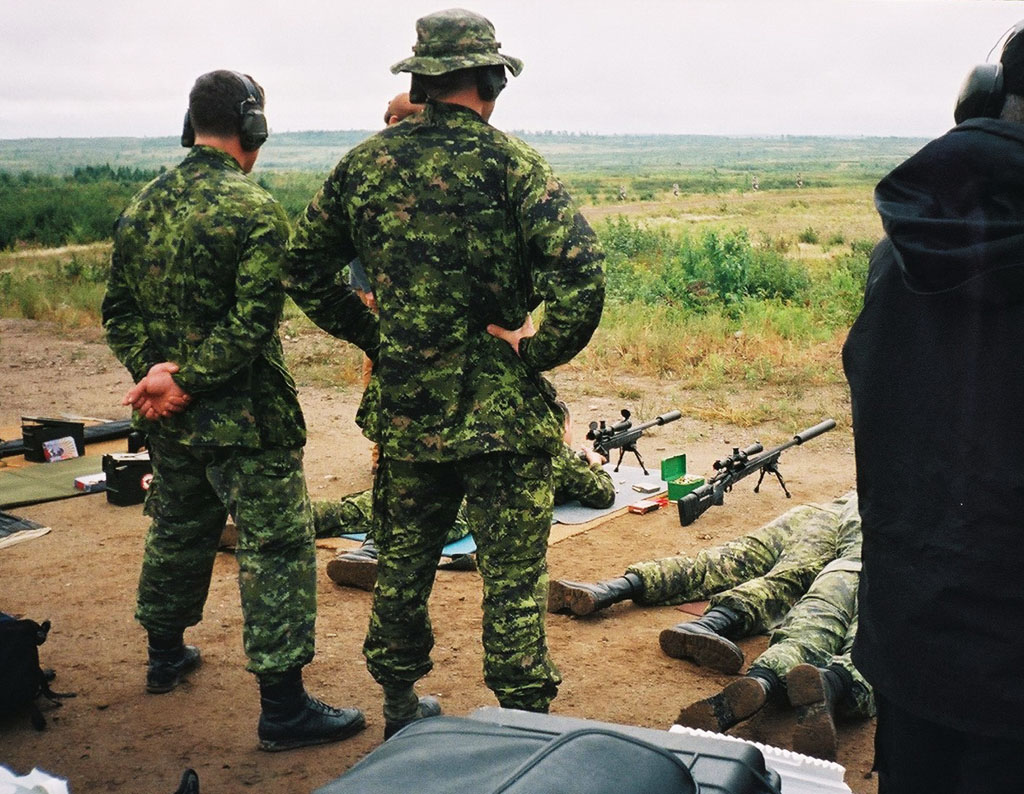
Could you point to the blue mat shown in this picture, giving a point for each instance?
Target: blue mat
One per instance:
(464, 545)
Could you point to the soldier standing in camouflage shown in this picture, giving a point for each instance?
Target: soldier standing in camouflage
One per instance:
(462, 230)
(575, 476)
(192, 308)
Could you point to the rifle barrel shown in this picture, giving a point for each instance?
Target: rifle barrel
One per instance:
(754, 464)
(665, 418)
(812, 432)
(694, 504)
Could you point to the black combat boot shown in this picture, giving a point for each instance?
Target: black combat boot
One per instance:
(189, 783)
(357, 568)
(584, 598)
(402, 707)
(814, 692)
(706, 640)
(170, 661)
(739, 701)
(291, 718)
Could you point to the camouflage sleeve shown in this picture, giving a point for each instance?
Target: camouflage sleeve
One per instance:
(566, 261)
(123, 323)
(574, 478)
(245, 330)
(319, 250)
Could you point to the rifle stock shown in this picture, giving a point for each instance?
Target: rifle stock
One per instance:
(742, 463)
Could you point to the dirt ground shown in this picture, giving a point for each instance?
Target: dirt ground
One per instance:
(115, 738)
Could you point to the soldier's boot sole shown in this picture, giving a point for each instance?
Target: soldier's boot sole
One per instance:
(570, 597)
(739, 701)
(352, 572)
(702, 647)
(815, 732)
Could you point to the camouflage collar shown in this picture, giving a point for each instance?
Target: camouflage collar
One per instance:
(211, 154)
(442, 111)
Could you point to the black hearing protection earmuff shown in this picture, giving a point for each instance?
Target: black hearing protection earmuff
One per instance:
(252, 124)
(490, 80)
(982, 93)
(417, 93)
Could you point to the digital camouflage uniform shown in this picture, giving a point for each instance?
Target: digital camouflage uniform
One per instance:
(797, 575)
(457, 226)
(196, 279)
(759, 576)
(572, 478)
(822, 625)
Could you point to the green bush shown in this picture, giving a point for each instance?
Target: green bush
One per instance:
(809, 235)
(838, 297)
(712, 268)
(52, 211)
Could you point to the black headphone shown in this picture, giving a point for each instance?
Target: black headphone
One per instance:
(417, 93)
(252, 124)
(982, 93)
(490, 80)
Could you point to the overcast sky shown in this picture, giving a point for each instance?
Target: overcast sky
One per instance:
(727, 67)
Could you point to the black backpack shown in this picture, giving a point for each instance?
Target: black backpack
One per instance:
(22, 680)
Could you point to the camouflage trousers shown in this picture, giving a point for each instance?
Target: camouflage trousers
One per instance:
(193, 491)
(508, 500)
(821, 626)
(353, 515)
(820, 630)
(758, 576)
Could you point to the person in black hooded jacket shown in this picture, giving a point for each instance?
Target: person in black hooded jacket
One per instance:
(933, 363)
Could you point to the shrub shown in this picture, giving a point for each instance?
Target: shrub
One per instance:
(712, 268)
(808, 235)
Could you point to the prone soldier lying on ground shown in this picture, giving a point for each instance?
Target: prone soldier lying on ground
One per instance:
(798, 573)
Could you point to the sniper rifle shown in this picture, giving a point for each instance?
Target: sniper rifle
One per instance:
(623, 435)
(742, 463)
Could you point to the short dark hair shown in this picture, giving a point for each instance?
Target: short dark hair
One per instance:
(215, 102)
(439, 86)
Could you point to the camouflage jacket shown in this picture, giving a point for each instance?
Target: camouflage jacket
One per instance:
(574, 478)
(195, 278)
(457, 226)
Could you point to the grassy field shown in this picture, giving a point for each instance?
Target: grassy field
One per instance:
(713, 285)
(676, 156)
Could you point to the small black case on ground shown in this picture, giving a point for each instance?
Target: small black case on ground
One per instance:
(35, 430)
(501, 751)
(128, 476)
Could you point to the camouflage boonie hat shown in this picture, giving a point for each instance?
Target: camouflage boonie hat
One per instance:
(455, 39)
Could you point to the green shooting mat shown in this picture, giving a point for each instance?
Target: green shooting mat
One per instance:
(45, 482)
